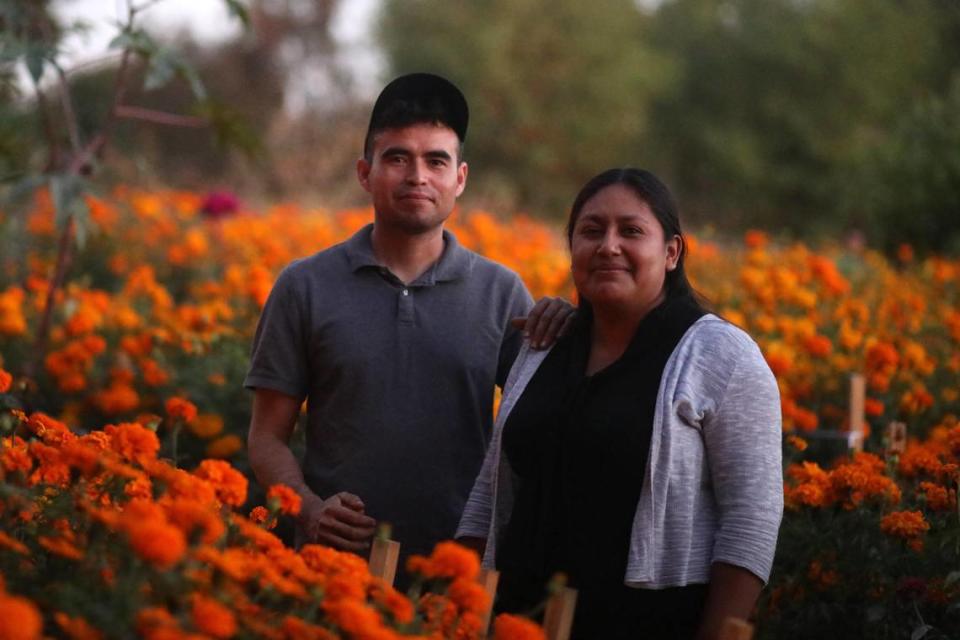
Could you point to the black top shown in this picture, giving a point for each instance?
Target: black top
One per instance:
(578, 445)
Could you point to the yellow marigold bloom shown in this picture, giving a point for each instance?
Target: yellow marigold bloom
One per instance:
(904, 524)
(19, 619)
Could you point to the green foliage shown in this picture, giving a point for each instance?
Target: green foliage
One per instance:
(551, 102)
(910, 185)
(768, 113)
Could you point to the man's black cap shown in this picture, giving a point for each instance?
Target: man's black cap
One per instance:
(423, 91)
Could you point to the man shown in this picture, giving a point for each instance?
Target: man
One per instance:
(396, 337)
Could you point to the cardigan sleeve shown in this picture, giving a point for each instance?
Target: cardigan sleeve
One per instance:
(743, 440)
(475, 521)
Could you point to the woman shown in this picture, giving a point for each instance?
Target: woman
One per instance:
(641, 455)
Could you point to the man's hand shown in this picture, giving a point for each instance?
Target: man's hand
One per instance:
(549, 319)
(338, 521)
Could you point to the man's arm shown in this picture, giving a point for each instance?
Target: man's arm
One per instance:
(338, 521)
(731, 594)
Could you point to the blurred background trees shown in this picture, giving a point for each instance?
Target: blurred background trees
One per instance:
(807, 117)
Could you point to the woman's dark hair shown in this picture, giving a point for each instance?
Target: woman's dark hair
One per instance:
(648, 188)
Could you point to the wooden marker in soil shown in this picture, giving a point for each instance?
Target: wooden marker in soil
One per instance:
(384, 555)
(488, 578)
(558, 618)
(858, 398)
(896, 438)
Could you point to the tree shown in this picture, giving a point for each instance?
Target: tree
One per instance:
(557, 90)
(778, 99)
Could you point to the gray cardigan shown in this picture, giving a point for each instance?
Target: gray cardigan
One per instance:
(713, 489)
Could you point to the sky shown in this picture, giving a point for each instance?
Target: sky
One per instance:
(210, 22)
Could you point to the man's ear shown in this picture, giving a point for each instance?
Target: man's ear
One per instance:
(363, 173)
(462, 170)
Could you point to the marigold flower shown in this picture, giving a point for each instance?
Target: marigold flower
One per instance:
(5, 380)
(133, 441)
(19, 618)
(797, 443)
(11, 543)
(60, 546)
(288, 501)
(904, 524)
(448, 560)
(224, 446)
(260, 515)
(938, 498)
(76, 628)
(229, 484)
(156, 541)
(469, 596)
(181, 409)
(510, 627)
(206, 425)
(213, 618)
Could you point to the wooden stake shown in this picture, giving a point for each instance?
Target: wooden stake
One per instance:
(736, 629)
(896, 438)
(858, 398)
(384, 555)
(558, 618)
(488, 578)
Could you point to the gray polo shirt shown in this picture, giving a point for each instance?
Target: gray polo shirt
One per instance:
(399, 378)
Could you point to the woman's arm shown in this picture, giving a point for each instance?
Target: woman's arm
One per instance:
(731, 594)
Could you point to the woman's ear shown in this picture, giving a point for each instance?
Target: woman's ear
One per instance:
(674, 251)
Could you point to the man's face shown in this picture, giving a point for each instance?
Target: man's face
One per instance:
(413, 176)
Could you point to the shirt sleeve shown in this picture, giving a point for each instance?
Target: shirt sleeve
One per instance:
(279, 357)
(744, 448)
(519, 305)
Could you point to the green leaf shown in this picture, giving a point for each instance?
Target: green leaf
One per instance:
(66, 190)
(160, 71)
(239, 10)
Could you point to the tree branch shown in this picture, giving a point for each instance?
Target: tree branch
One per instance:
(160, 117)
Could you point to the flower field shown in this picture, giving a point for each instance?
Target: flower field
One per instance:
(125, 504)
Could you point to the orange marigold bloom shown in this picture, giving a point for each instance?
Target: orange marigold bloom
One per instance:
(904, 524)
(229, 484)
(5, 380)
(15, 456)
(19, 618)
(191, 515)
(469, 595)
(288, 500)
(296, 629)
(448, 560)
(61, 546)
(9, 542)
(510, 627)
(213, 618)
(156, 541)
(181, 409)
(797, 443)
(133, 441)
(260, 515)
(938, 497)
(224, 446)
(153, 618)
(76, 628)
(206, 425)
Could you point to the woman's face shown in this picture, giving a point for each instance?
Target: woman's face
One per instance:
(619, 255)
